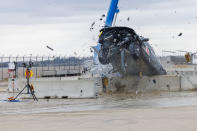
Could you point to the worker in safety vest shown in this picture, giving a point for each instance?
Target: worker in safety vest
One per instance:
(188, 57)
(105, 83)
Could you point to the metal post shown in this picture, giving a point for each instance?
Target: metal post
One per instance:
(54, 63)
(79, 64)
(9, 59)
(83, 62)
(69, 63)
(74, 62)
(59, 62)
(2, 67)
(64, 62)
(42, 64)
(16, 71)
(23, 66)
(36, 66)
(48, 63)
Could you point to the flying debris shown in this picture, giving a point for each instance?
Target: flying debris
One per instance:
(91, 29)
(91, 50)
(93, 24)
(101, 26)
(128, 19)
(50, 48)
(101, 19)
(103, 15)
(75, 53)
(180, 34)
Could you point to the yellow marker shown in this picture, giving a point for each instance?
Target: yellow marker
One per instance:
(100, 33)
(30, 73)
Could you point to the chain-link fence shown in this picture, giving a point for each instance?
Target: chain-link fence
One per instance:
(44, 66)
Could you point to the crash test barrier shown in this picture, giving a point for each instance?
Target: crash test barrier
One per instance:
(76, 87)
(167, 83)
(65, 87)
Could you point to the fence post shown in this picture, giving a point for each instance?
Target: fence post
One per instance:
(2, 67)
(64, 62)
(83, 62)
(79, 65)
(42, 64)
(59, 62)
(54, 63)
(48, 63)
(69, 63)
(36, 66)
(16, 71)
(74, 62)
(22, 65)
(9, 59)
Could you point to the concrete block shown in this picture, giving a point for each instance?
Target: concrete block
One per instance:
(189, 82)
(72, 87)
(145, 84)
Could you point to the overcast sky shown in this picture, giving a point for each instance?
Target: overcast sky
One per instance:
(28, 26)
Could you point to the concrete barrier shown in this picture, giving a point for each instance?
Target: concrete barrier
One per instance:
(81, 87)
(145, 84)
(154, 83)
(67, 87)
(188, 83)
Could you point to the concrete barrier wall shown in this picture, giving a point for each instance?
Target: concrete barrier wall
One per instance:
(76, 87)
(68, 87)
(145, 84)
(155, 83)
(188, 82)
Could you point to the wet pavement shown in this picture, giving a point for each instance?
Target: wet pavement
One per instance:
(28, 106)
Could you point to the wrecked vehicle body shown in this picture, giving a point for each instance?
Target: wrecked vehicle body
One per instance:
(128, 53)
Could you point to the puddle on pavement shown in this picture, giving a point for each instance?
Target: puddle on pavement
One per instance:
(28, 106)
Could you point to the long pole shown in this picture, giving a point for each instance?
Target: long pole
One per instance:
(42, 64)
(2, 66)
(23, 66)
(36, 66)
(113, 9)
(48, 63)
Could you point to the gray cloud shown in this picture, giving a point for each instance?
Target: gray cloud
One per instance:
(62, 22)
(50, 11)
